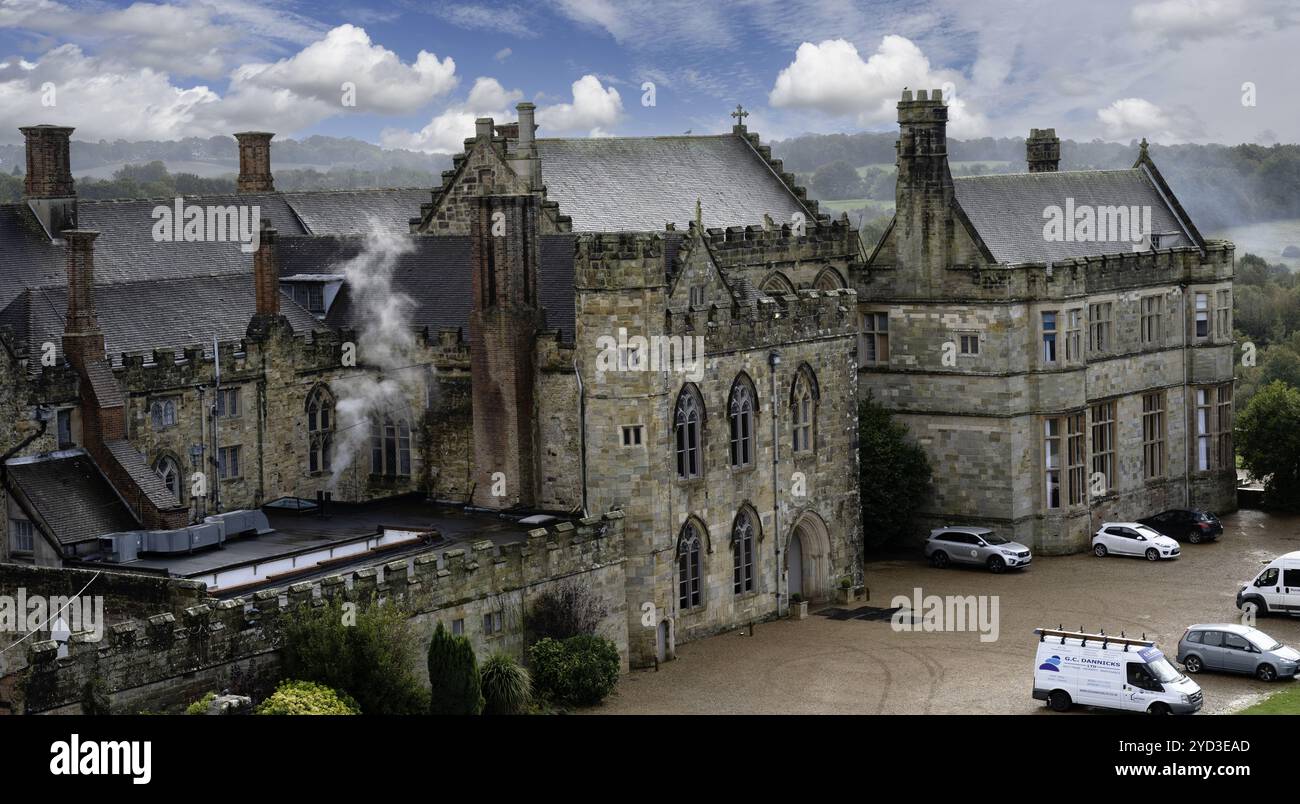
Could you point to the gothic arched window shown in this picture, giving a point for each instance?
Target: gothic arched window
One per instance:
(742, 553)
(170, 473)
(803, 413)
(320, 429)
(688, 567)
(688, 431)
(740, 414)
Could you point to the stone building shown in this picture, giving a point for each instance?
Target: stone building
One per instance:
(659, 327)
(1059, 341)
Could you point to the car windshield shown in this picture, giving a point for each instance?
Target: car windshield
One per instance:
(993, 538)
(1163, 671)
(1262, 640)
(1147, 532)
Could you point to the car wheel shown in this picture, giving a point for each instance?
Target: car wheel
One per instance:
(1159, 708)
(1153, 554)
(1193, 664)
(996, 565)
(939, 559)
(1266, 672)
(1194, 537)
(1099, 550)
(1255, 607)
(1059, 700)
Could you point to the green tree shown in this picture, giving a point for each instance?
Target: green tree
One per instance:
(456, 688)
(894, 476)
(1267, 436)
(369, 654)
(836, 180)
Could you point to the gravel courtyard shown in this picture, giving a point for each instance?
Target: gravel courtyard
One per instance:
(854, 666)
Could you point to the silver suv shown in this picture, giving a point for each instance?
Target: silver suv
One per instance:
(970, 545)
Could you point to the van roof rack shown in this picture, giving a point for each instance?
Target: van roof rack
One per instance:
(1105, 639)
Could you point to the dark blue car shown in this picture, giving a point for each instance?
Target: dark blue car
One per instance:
(1186, 525)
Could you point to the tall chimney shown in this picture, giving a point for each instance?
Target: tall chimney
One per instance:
(255, 162)
(1043, 150)
(504, 322)
(266, 282)
(529, 166)
(48, 189)
(82, 339)
(923, 192)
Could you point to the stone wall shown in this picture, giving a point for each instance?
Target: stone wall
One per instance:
(171, 659)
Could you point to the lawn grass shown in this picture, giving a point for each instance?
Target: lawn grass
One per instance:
(1284, 702)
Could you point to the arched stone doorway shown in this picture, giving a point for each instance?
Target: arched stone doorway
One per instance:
(808, 558)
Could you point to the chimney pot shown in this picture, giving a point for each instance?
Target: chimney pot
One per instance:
(483, 128)
(255, 162)
(48, 188)
(266, 271)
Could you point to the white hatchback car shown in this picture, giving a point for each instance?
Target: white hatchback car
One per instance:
(1133, 539)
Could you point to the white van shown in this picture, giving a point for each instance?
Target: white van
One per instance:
(1275, 589)
(1072, 667)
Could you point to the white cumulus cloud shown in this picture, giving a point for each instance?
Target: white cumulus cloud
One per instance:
(446, 133)
(347, 55)
(1129, 118)
(594, 108)
(832, 77)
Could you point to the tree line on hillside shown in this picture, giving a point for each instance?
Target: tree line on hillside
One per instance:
(153, 180)
(1218, 185)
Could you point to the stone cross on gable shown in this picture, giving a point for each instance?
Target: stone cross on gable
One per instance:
(740, 114)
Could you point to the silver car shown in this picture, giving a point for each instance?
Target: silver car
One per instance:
(1233, 648)
(960, 544)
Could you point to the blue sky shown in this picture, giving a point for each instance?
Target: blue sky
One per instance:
(1170, 70)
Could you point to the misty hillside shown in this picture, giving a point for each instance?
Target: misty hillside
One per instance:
(1219, 185)
(217, 157)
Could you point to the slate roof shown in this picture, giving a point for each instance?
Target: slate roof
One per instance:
(126, 251)
(156, 314)
(608, 184)
(436, 275)
(73, 498)
(1007, 210)
(146, 479)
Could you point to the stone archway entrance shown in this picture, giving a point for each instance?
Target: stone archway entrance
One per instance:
(808, 559)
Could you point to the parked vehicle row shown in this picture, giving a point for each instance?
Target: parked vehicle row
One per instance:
(1155, 538)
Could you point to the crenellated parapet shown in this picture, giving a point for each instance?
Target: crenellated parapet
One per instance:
(215, 634)
(824, 240)
(800, 316)
(609, 261)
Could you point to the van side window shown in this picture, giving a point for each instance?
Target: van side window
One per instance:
(1269, 578)
(1139, 676)
(1291, 577)
(1213, 638)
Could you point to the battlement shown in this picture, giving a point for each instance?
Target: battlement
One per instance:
(806, 314)
(754, 245)
(215, 634)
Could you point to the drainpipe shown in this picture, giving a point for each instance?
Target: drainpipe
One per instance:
(582, 435)
(43, 419)
(782, 606)
(1190, 437)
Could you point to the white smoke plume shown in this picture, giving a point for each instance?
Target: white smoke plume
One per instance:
(385, 343)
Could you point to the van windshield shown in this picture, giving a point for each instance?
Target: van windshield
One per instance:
(1163, 671)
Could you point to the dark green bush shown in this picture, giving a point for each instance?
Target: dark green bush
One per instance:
(370, 659)
(564, 610)
(455, 686)
(580, 671)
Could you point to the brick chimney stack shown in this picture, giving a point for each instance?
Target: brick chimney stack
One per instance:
(255, 162)
(49, 189)
(82, 339)
(266, 282)
(924, 191)
(1043, 150)
(503, 326)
